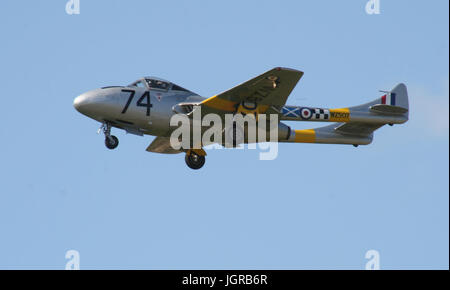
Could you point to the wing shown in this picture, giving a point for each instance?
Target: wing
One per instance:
(269, 89)
(162, 145)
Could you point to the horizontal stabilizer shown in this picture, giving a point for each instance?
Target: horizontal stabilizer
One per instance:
(387, 109)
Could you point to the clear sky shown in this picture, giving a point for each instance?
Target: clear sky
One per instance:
(314, 207)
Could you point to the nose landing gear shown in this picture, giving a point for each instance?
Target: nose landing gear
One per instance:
(111, 141)
(195, 159)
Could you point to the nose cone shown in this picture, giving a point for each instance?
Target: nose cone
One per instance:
(80, 103)
(98, 103)
(88, 103)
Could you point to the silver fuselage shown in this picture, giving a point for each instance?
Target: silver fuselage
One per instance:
(109, 104)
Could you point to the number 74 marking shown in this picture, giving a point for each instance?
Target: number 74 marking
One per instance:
(140, 103)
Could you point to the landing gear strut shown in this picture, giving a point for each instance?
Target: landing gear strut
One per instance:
(111, 141)
(194, 160)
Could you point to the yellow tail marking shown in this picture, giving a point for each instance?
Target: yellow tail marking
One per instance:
(340, 115)
(305, 136)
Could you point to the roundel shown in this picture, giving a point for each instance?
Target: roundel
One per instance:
(305, 113)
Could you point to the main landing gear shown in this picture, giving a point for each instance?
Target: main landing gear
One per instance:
(195, 159)
(111, 141)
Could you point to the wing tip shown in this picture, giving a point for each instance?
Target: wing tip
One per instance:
(279, 68)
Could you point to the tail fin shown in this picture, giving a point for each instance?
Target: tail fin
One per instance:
(395, 101)
(392, 107)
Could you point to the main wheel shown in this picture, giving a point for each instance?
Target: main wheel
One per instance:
(195, 161)
(111, 142)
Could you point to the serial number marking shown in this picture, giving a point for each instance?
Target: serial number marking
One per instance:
(339, 115)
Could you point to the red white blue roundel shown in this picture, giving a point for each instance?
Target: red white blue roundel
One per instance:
(305, 113)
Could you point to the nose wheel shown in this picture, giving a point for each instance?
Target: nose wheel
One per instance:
(195, 160)
(111, 141)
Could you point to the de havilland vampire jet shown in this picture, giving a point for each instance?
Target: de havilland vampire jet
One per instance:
(147, 105)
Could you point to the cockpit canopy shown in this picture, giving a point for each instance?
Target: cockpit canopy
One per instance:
(153, 83)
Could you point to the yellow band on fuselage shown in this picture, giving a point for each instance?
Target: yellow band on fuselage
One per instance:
(305, 136)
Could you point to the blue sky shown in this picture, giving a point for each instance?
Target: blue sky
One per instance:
(314, 207)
